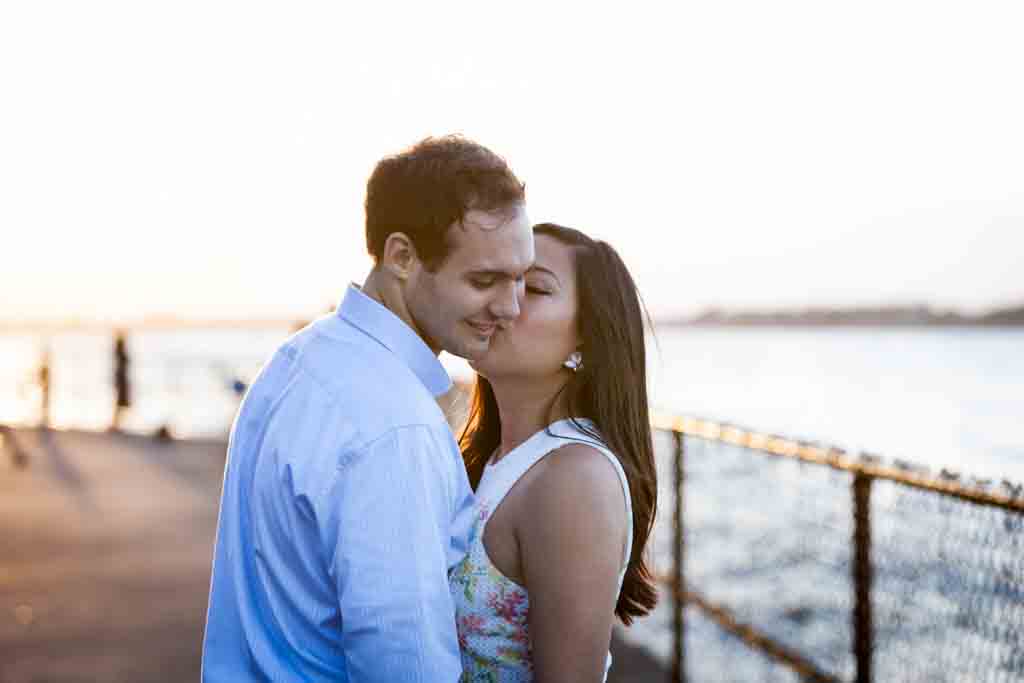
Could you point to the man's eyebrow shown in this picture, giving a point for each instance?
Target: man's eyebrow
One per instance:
(507, 274)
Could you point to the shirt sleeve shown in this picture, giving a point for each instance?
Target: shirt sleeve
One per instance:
(388, 532)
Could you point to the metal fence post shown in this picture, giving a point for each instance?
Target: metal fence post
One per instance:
(863, 630)
(678, 671)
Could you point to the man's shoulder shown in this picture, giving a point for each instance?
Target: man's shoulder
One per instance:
(366, 383)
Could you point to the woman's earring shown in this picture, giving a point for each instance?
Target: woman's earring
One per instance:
(575, 361)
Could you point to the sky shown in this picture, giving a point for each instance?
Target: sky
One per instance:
(208, 159)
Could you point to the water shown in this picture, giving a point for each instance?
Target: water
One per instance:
(942, 397)
(945, 397)
(181, 379)
(949, 397)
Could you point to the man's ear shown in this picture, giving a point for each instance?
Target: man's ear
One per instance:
(399, 257)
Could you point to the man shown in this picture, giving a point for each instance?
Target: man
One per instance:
(345, 500)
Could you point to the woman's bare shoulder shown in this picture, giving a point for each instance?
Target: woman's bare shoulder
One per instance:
(583, 468)
(580, 487)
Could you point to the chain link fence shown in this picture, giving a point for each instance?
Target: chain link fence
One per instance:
(798, 562)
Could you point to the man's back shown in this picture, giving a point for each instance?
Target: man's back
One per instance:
(344, 504)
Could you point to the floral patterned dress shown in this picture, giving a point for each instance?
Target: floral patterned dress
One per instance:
(491, 610)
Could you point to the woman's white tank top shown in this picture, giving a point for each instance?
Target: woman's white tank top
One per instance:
(491, 610)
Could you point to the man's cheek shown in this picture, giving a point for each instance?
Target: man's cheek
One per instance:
(468, 300)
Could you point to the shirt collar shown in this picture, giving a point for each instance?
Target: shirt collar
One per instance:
(387, 328)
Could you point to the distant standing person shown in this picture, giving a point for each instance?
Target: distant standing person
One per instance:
(122, 387)
(44, 388)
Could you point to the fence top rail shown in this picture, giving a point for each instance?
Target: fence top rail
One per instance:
(1007, 495)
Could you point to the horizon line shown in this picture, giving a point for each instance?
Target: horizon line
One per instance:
(176, 322)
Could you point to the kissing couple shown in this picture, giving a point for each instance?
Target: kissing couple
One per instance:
(358, 539)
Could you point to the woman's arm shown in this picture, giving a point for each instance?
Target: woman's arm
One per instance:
(572, 542)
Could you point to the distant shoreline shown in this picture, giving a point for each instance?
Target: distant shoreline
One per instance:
(835, 324)
(914, 316)
(88, 326)
(895, 317)
(284, 326)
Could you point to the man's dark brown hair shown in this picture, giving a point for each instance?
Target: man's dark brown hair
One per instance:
(423, 190)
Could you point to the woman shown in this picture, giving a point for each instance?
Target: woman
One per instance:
(558, 447)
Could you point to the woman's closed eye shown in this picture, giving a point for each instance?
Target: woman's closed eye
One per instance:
(537, 291)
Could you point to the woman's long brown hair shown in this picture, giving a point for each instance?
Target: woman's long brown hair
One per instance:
(610, 390)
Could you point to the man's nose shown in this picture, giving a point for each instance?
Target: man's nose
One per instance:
(506, 304)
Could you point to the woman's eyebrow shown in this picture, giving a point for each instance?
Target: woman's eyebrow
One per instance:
(545, 271)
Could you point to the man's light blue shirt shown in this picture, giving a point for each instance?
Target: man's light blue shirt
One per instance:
(345, 503)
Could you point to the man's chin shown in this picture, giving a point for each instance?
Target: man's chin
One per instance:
(472, 350)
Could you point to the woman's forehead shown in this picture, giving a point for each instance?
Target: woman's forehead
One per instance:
(553, 256)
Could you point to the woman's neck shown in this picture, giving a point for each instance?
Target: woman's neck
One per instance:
(526, 408)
